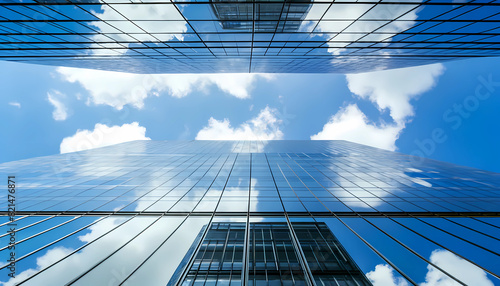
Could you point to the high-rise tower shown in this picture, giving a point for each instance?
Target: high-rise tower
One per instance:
(264, 36)
(249, 213)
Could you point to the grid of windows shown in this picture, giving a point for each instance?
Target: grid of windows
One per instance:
(237, 177)
(220, 257)
(205, 36)
(275, 257)
(82, 216)
(269, 17)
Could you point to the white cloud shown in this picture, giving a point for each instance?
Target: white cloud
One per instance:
(117, 89)
(116, 268)
(103, 135)
(15, 103)
(352, 125)
(392, 90)
(341, 11)
(266, 126)
(384, 275)
(166, 30)
(60, 112)
(456, 266)
(51, 256)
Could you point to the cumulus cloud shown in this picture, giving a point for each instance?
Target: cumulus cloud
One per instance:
(342, 18)
(172, 26)
(266, 126)
(456, 266)
(51, 256)
(394, 89)
(116, 268)
(390, 90)
(351, 124)
(15, 104)
(60, 112)
(117, 89)
(384, 275)
(103, 135)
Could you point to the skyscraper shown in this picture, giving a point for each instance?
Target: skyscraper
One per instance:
(269, 17)
(260, 36)
(249, 213)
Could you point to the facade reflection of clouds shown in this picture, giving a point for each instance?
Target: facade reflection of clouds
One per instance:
(163, 182)
(341, 27)
(383, 274)
(116, 268)
(154, 19)
(255, 37)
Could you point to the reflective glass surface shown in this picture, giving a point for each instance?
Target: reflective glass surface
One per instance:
(249, 176)
(249, 213)
(278, 255)
(206, 36)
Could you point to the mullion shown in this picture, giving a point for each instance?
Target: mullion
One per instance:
(27, 226)
(362, 239)
(104, 34)
(87, 243)
(22, 24)
(402, 198)
(76, 250)
(390, 22)
(190, 263)
(63, 183)
(192, 28)
(380, 254)
(352, 23)
(205, 259)
(63, 237)
(253, 37)
(335, 242)
(253, 245)
(235, 243)
(145, 228)
(264, 255)
(277, 25)
(38, 234)
(221, 266)
(186, 179)
(114, 252)
(17, 219)
(438, 3)
(87, 27)
(130, 190)
(448, 20)
(482, 20)
(431, 20)
(150, 34)
(442, 246)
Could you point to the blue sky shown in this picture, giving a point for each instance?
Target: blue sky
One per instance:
(443, 101)
(445, 112)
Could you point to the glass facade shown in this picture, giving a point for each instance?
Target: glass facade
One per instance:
(269, 17)
(275, 256)
(268, 36)
(249, 213)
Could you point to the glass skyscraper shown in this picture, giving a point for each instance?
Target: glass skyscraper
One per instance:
(249, 213)
(262, 36)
